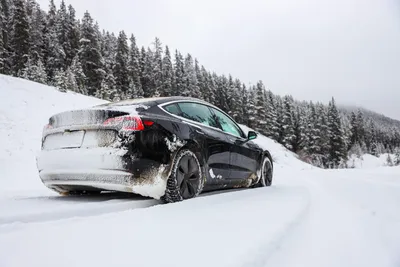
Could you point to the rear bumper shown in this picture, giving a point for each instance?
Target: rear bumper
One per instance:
(101, 168)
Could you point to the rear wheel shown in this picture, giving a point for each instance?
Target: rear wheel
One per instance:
(186, 180)
(266, 173)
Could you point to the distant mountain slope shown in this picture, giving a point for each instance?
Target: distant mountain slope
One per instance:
(369, 114)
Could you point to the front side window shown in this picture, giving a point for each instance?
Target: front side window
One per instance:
(197, 112)
(227, 124)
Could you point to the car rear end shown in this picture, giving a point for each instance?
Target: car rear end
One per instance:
(104, 148)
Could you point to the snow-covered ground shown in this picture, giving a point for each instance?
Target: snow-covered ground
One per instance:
(309, 217)
(368, 161)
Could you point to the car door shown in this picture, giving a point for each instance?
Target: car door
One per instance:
(243, 153)
(216, 146)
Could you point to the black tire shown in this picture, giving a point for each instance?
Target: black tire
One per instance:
(266, 173)
(186, 180)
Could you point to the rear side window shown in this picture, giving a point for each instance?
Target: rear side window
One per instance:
(199, 113)
(228, 125)
(173, 108)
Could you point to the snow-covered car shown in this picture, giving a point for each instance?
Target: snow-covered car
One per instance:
(171, 148)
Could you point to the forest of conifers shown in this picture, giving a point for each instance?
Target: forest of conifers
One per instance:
(57, 49)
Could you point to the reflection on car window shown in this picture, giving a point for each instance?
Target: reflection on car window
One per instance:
(173, 108)
(197, 112)
(227, 124)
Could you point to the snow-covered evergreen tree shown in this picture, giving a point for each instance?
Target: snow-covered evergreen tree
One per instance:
(60, 80)
(5, 32)
(90, 56)
(71, 48)
(397, 157)
(337, 147)
(288, 126)
(121, 72)
(80, 77)
(35, 71)
(157, 71)
(134, 68)
(179, 82)
(168, 74)
(190, 80)
(20, 37)
(259, 111)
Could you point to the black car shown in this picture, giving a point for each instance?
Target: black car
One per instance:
(171, 148)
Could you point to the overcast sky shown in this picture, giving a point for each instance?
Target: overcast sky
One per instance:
(311, 49)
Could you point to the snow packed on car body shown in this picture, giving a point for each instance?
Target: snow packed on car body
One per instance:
(168, 147)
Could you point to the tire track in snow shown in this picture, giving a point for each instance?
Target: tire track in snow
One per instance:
(81, 209)
(262, 253)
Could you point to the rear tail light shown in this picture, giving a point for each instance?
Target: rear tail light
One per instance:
(47, 127)
(126, 123)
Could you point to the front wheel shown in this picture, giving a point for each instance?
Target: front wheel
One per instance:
(266, 173)
(186, 180)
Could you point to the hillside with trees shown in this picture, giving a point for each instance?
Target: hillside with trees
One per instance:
(55, 48)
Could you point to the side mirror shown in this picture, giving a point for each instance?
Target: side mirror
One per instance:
(251, 135)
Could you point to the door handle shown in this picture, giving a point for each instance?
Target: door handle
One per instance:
(199, 132)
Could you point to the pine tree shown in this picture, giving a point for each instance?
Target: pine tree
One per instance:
(2, 47)
(37, 35)
(373, 145)
(90, 56)
(60, 80)
(397, 157)
(259, 108)
(146, 76)
(157, 71)
(191, 87)
(179, 82)
(134, 67)
(251, 108)
(72, 47)
(222, 85)
(389, 161)
(80, 77)
(35, 71)
(20, 37)
(121, 72)
(237, 101)
(244, 112)
(299, 125)
(54, 52)
(5, 31)
(337, 153)
(168, 74)
(62, 30)
(280, 111)
(288, 126)
(70, 81)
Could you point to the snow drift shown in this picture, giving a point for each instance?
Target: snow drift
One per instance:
(26, 108)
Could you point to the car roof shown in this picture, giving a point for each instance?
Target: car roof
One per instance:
(151, 101)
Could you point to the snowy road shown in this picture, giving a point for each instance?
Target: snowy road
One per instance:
(308, 218)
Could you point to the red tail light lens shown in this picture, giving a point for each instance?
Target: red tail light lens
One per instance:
(148, 123)
(47, 126)
(126, 123)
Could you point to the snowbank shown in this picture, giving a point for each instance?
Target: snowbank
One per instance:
(25, 109)
(368, 161)
(281, 156)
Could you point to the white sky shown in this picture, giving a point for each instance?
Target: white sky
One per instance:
(312, 49)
